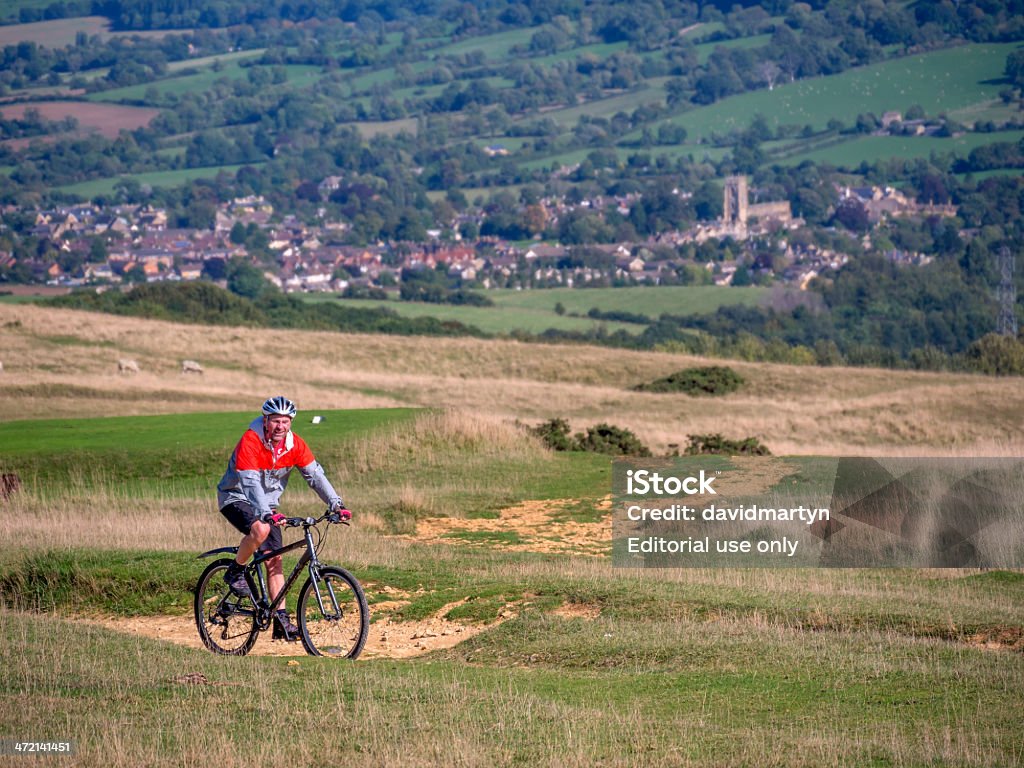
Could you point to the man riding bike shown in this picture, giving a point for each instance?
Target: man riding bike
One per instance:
(249, 493)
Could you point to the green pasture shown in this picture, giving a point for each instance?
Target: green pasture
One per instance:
(503, 319)
(652, 301)
(941, 81)
(174, 178)
(202, 62)
(182, 452)
(704, 50)
(298, 75)
(652, 92)
(868, 149)
(495, 46)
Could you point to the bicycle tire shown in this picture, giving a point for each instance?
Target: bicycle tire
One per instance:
(227, 623)
(337, 633)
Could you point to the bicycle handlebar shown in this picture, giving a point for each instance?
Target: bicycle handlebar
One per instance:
(330, 517)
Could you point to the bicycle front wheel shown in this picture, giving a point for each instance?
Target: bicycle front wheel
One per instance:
(226, 622)
(333, 617)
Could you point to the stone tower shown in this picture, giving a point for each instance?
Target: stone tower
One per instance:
(734, 207)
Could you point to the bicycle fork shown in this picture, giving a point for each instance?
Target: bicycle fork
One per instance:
(335, 613)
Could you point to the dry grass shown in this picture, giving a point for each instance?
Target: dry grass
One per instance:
(64, 363)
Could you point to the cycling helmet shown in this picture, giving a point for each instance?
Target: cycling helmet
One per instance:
(279, 405)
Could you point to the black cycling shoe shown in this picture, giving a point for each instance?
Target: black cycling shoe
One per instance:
(283, 627)
(234, 577)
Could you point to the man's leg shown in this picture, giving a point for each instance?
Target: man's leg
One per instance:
(275, 578)
(251, 542)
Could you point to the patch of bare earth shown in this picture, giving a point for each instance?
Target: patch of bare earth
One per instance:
(584, 611)
(531, 526)
(388, 638)
(543, 525)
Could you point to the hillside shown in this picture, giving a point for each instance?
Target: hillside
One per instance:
(63, 363)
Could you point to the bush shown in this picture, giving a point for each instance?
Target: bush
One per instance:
(716, 444)
(555, 434)
(996, 355)
(708, 380)
(604, 438)
(601, 438)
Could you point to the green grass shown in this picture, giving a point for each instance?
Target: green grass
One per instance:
(180, 453)
(804, 667)
(297, 75)
(704, 50)
(534, 311)
(498, 320)
(650, 301)
(942, 81)
(868, 149)
(94, 187)
(204, 62)
(494, 46)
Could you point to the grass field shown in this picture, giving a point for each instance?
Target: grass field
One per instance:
(649, 301)
(534, 311)
(90, 189)
(943, 81)
(298, 75)
(851, 154)
(504, 319)
(502, 634)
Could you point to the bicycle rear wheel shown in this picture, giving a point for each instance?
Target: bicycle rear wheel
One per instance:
(226, 622)
(333, 617)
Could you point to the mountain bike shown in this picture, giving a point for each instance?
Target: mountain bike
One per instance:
(332, 614)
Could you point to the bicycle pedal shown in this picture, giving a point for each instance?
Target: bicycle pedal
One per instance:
(287, 632)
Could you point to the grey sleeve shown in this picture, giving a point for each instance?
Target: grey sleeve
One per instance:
(318, 481)
(252, 486)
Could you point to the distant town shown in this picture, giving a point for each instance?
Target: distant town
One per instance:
(127, 244)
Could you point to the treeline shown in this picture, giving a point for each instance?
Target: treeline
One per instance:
(207, 304)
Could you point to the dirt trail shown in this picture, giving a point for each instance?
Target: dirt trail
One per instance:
(388, 638)
(547, 525)
(533, 526)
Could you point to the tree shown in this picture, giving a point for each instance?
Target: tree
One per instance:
(246, 280)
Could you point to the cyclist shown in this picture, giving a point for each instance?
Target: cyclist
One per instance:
(249, 493)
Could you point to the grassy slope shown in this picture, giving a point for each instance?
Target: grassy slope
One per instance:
(688, 667)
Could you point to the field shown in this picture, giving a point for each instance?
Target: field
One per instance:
(534, 311)
(95, 187)
(61, 32)
(502, 634)
(107, 119)
(943, 81)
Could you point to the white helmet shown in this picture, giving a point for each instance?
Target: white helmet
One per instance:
(279, 406)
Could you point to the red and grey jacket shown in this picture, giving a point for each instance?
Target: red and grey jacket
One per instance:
(258, 474)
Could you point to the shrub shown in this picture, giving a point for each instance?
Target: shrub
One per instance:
(601, 438)
(708, 380)
(604, 438)
(716, 444)
(555, 434)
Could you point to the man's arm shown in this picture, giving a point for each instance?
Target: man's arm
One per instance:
(318, 481)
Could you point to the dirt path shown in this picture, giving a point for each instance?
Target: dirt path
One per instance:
(388, 638)
(532, 526)
(548, 525)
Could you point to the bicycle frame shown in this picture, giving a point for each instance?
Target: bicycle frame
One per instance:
(264, 610)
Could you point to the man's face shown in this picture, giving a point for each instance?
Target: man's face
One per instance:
(277, 427)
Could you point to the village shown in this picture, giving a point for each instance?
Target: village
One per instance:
(137, 245)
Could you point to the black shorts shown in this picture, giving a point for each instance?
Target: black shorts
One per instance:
(241, 515)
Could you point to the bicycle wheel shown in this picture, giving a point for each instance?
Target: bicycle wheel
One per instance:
(332, 614)
(226, 622)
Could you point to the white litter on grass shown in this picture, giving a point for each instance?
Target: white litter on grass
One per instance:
(317, 419)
